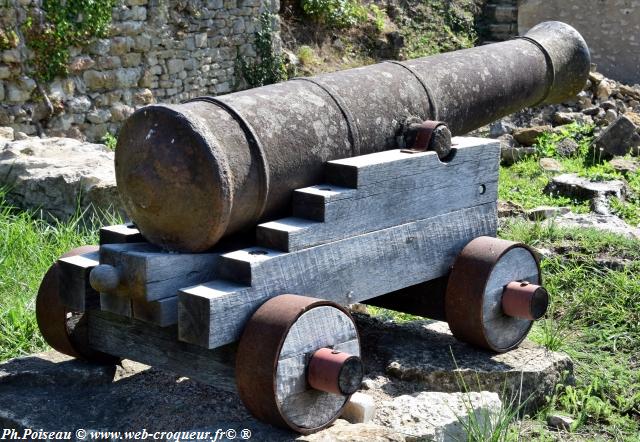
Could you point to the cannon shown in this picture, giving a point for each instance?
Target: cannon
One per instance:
(258, 216)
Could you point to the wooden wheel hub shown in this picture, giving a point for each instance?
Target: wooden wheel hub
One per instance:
(494, 294)
(288, 337)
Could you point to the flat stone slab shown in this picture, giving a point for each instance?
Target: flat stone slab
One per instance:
(606, 223)
(425, 356)
(410, 373)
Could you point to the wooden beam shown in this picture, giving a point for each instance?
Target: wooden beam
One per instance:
(366, 170)
(346, 271)
(120, 234)
(162, 313)
(148, 273)
(75, 291)
(393, 188)
(118, 305)
(160, 348)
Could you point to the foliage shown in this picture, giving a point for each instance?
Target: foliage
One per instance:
(9, 39)
(270, 67)
(110, 141)
(438, 26)
(337, 14)
(378, 17)
(306, 55)
(65, 23)
(28, 246)
(595, 317)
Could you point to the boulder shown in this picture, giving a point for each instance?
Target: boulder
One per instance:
(546, 212)
(619, 137)
(431, 359)
(550, 164)
(342, 431)
(606, 223)
(528, 136)
(6, 134)
(440, 416)
(59, 176)
(567, 148)
(625, 166)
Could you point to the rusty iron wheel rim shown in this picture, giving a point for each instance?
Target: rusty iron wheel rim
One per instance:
(53, 317)
(466, 288)
(257, 357)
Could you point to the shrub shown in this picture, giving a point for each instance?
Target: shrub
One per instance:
(338, 14)
(270, 67)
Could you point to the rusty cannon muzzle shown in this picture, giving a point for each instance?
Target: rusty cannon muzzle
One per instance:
(191, 173)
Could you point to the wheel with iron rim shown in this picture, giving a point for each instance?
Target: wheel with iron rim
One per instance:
(65, 330)
(473, 301)
(275, 349)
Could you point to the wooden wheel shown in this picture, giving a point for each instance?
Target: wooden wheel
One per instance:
(494, 294)
(65, 330)
(291, 345)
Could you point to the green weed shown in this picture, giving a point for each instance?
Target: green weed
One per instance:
(28, 246)
(110, 141)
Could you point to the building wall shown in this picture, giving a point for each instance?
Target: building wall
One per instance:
(610, 27)
(158, 50)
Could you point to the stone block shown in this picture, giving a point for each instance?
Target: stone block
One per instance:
(99, 116)
(619, 137)
(431, 359)
(53, 174)
(360, 409)
(201, 40)
(5, 72)
(79, 104)
(120, 112)
(128, 77)
(131, 60)
(99, 80)
(174, 66)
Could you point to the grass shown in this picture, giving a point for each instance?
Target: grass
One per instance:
(524, 182)
(28, 246)
(595, 318)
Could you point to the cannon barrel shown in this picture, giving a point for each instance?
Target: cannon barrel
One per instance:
(190, 173)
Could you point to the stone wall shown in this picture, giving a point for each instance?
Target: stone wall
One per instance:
(499, 20)
(158, 50)
(610, 27)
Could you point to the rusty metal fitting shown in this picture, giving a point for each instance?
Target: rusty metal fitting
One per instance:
(524, 300)
(428, 135)
(335, 372)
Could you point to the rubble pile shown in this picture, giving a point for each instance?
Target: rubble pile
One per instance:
(612, 107)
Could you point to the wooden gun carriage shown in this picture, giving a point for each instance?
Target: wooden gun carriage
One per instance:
(406, 229)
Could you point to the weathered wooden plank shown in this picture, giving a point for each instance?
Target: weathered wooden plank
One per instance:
(118, 305)
(162, 313)
(149, 273)
(405, 190)
(75, 291)
(364, 170)
(358, 216)
(120, 234)
(160, 348)
(346, 271)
